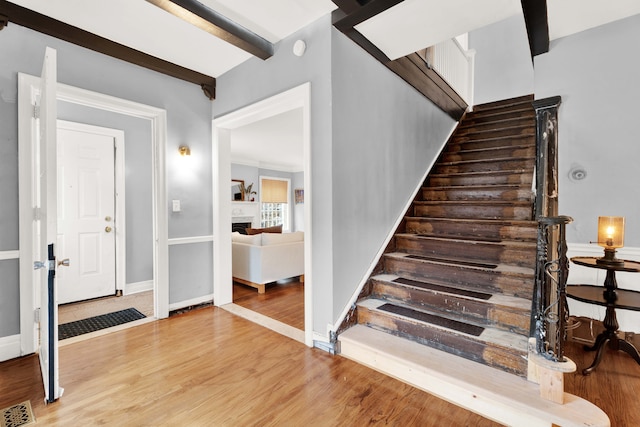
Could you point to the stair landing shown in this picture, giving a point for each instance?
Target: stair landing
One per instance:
(496, 395)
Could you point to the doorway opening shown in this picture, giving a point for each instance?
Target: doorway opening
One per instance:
(224, 130)
(155, 119)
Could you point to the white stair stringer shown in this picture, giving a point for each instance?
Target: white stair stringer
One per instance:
(489, 392)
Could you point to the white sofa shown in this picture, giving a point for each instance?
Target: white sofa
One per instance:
(267, 257)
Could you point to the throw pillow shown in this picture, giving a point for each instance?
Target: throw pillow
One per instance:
(276, 229)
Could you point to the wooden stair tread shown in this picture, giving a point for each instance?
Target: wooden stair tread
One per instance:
(481, 173)
(470, 330)
(530, 137)
(506, 398)
(507, 243)
(475, 187)
(460, 291)
(498, 268)
(488, 149)
(474, 161)
(518, 203)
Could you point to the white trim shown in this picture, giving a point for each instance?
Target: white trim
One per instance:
(187, 303)
(188, 240)
(137, 287)
(383, 247)
(298, 97)
(9, 347)
(158, 121)
(269, 323)
(119, 192)
(5, 255)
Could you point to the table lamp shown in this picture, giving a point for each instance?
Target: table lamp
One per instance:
(610, 237)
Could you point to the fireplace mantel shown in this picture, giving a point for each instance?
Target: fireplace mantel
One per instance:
(245, 212)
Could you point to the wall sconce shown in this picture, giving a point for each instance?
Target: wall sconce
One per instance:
(610, 237)
(184, 150)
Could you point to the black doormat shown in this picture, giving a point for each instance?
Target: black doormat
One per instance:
(92, 324)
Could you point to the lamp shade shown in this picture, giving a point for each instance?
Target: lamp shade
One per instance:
(611, 231)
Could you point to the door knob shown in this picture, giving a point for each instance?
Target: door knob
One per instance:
(108, 229)
(107, 218)
(64, 262)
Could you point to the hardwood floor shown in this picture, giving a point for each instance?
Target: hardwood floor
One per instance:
(208, 367)
(283, 301)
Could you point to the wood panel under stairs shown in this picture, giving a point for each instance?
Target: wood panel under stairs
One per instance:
(458, 275)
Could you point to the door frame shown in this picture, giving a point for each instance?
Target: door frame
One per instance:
(223, 126)
(118, 193)
(27, 90)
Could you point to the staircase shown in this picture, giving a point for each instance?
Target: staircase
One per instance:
(458, 275)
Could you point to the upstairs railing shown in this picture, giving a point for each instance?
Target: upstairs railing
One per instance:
(550, 313)
(454, 64)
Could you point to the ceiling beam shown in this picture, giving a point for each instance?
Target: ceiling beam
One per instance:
(60, 30)
(537, 23)
(196, 13)
(354, 16)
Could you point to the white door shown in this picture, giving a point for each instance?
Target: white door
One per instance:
(86, 214)
(45, 228)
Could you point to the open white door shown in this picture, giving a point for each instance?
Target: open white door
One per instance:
(46, 228)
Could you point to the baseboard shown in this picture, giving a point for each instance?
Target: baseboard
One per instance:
(190, 302)
(9, 347)
(134, 288)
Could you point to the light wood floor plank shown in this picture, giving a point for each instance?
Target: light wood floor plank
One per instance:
(209, 367)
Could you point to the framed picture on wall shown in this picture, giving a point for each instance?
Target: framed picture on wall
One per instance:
(299, 195)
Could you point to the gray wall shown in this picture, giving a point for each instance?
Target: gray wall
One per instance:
(503, 66)
(596, 73)
(9, 299)
(138, 183)
(189, 121)
(255, 80)
(372, 138)
(385, 137)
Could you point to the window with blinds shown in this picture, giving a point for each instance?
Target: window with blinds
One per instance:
(274, 206)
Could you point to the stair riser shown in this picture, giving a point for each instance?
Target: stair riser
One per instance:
(478, 311)
(484, 117)
(460, 345)
(489, 281)
(474, 212)
(490, 143)
(495, 133)
(486, 166)
(504, 105)
(466, 230)
(488, 154)
(497, 179)
(467, 193)
(469, 128)
(478, 251)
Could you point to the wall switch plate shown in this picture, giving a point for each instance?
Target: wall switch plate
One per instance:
(176, 205)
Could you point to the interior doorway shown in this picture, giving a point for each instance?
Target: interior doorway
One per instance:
(156, 119)
(223, 129)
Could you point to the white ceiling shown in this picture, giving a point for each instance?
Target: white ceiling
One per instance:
(409, 26)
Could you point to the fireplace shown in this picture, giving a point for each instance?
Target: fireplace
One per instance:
(240, 227)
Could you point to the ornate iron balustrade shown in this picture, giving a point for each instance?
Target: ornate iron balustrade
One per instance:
(549, 309)
(551, 313)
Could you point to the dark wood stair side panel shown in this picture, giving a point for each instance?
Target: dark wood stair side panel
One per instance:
(488, 230)
(489, 253)
(517, 284)
(510, 360)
